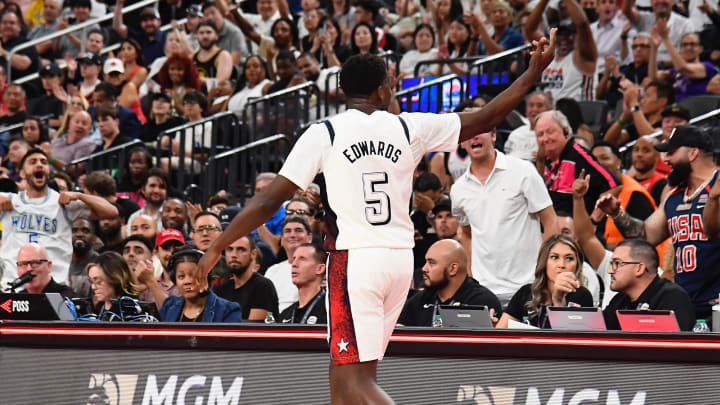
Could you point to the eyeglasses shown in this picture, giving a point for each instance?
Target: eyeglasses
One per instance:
(297, 212)
(689, 44)
(636, 46)
(33, 263)
(616, 264)
(209, 228)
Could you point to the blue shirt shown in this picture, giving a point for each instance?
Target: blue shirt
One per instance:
(216, 309)
(508, 40)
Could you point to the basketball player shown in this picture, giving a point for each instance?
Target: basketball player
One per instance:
(367, 157)
(41, 215)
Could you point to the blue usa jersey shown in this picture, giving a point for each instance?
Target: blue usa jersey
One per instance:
(697, 259)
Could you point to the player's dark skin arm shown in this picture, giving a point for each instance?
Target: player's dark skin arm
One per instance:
(486, 119)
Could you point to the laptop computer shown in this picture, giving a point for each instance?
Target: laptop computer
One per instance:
(576, 318)
(465, 316)
(647, 321)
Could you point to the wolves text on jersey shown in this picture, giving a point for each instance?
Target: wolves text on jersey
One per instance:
(34, 223)
(378, 148)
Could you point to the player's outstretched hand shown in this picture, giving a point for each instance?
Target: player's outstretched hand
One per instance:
(543, 53)
(581, 185)
(67, 196)
(206, 263)
(5, 204)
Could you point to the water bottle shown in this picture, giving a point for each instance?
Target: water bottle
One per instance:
(701, 326)
(526, 320)
(269, 318)
(437, 322)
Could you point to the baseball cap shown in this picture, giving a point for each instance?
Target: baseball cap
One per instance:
(51, 69)
(677, 110)
(566, 25)
(196, 10)
(90, 57)
(687, 135)
(442, 205)
(113, 65)
(167, 235)
(227, 215)
(162, 96)
(149, 12)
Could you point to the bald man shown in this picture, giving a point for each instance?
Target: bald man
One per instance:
(446, 283)
(144, 225)
(33, 258)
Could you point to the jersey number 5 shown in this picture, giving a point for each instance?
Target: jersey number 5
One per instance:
(377, 211)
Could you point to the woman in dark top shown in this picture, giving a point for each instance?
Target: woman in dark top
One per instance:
(558, 280)
(137, 166)
(110, 278)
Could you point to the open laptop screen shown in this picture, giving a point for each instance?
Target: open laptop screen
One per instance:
(465, 316)
(647, 321)
(576, 318)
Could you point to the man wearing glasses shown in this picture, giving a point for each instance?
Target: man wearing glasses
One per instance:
(33, 258)
(206, 229)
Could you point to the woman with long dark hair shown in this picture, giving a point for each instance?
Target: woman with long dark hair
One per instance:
(363, 39)
(458, 46)
(424, 43)
(255, 83)
(558, 283)
(133, 176)
(110, 278)
(134, 61)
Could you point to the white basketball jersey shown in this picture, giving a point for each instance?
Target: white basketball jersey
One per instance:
(562, 79)
(457, 165)
(42, 221)
(368, 163)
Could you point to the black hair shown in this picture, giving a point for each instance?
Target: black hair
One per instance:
(101, 183)
(207, 214)
(361, 75)
(183, 254)
(297, 219)
(242, 81)
(44, 136)
(613, 148)
(373, 35)
(158, 172)
(139, 58)
(456, 9)
(108, 88)
(320, 255)
(125, 174)
(107, 111)
(286, 55)
(194, 96)
(421, 27)
(207, 4)
(82, 3)
(32, 151)
(97, 31)
(208, 23)
(139, 238)
(427, 181)
(335, 24)
(310, 206)
(643, 251)
(370, 5)
(465, 45)
(664, 89)
(293, 30)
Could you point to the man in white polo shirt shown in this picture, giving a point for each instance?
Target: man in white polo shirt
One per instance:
(500, 202)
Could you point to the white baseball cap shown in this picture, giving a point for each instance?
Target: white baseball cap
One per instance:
(113, 65)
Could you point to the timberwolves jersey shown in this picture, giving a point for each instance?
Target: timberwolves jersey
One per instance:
(43, 221)
(697, 259)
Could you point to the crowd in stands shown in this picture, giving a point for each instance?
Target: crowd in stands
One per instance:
(544, 213)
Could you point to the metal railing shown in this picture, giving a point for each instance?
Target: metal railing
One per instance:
(332, 82)
(658, 133)
(190, 145)
(280, 112)
(235, 170)
(75, 27)
(111, 159)
(468, 59)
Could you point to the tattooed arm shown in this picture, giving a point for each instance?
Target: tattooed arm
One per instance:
(654, 229)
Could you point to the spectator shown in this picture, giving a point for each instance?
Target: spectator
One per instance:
(427, 191)
(644, 160)
(296, 231)
(501, 195)
(193, 305)
(161, 118)
(106, 95)
(446, 281)
(213, 63)
(133, 62)
(610, 26)
(287, 72)
(368, 11)
(560, 160)
(111, 278)
(129, 96)
(137, 249)
(313, 72)
(132, 178)
(52, 101)
(155, 192)
(108, 123)
(459, 44)
(503, 35)
(166, 243)
(424, 49)
(207, 228)
(90, 69)
(693, 229)
(36, 134)
(558, 279)
(641, 117)
(74, 144)
(25, 61)
(174, 215)
(111, 232)
(178, 76)
(363, 40)
(522, 141)
(151, 39)
(644, 21)
(255, 293)
(263, 18)
(34, 258)
(17, 148)
(177, 42)
(144, 226)
(83, 237)
(308, 30)
(334, 52)
(445, 224)
(51, 12)
(14, 99)
(71, 43)
(636, 71)
(101, 184)
(229, 36)
(689, 75)
(194, 17)
(283, 36)
(95, 41)
(255, 84)
(308, 272)
(343, 12)
(444, 13)
(572, 73)
(63, 181)
(403, 23)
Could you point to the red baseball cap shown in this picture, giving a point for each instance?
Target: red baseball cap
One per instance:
(167, 235)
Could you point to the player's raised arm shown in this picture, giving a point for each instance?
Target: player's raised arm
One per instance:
(495, 111)
(257, 211)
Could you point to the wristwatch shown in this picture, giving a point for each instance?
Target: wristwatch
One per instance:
(635, 108)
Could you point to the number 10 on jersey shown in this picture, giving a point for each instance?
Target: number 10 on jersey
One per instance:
(377, 210)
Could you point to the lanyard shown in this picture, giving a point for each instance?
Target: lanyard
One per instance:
(310, 307)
